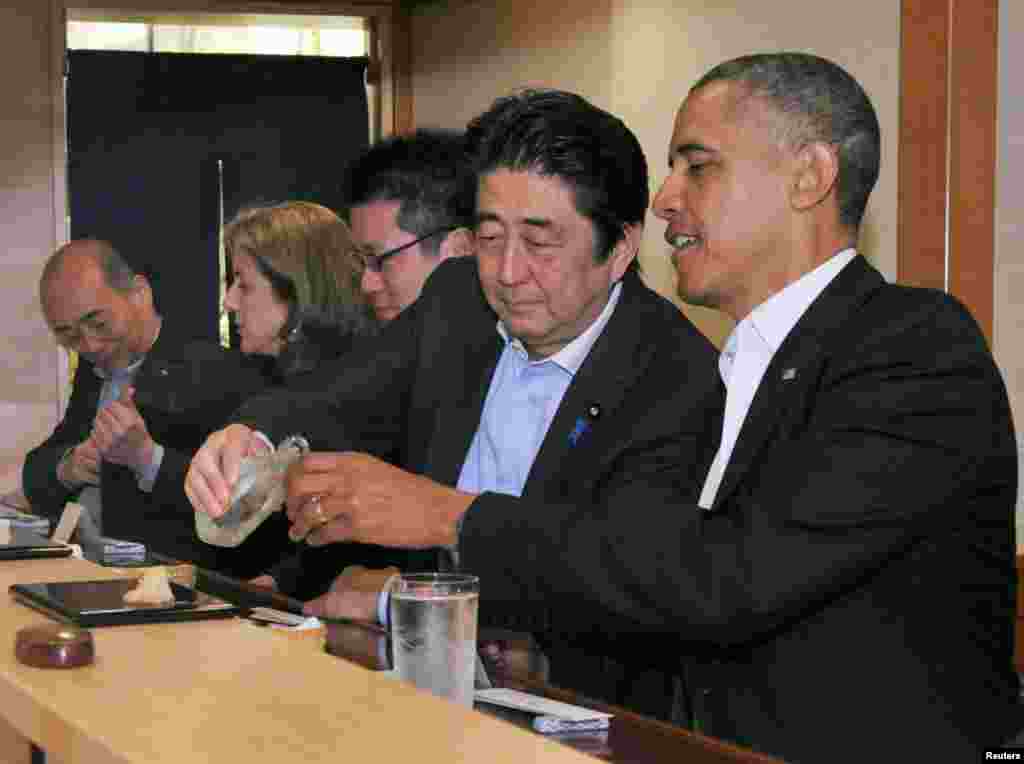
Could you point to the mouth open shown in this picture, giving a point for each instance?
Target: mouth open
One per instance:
(682, 244)
(681, 241)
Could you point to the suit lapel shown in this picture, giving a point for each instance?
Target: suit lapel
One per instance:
(794, 368)
(615, 361)
(461, 404)
(165, 375)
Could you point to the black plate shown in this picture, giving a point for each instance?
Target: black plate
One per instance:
(101, 603)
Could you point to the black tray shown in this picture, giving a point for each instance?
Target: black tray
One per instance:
(101, 603)
(24, 543)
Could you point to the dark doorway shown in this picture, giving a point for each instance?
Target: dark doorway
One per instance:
(162, 146)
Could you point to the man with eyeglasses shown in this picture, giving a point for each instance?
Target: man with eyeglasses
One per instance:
(143, 397)
(540, 373)
(409, 201)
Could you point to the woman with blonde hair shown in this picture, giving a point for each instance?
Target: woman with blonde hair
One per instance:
(296, 299)
(295, 292)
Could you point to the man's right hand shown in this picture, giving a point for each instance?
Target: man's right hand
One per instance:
(265, 581)
(214, 469)
(81, 466)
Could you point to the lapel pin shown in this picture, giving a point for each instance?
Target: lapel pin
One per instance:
(594, 410)
(789, 375)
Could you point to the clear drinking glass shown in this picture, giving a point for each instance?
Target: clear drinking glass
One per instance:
(433, 632)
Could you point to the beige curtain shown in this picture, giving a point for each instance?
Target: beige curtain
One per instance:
(281, 35)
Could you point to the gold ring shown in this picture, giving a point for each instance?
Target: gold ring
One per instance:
(318, 510)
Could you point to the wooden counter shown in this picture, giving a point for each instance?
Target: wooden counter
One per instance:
(222, 691)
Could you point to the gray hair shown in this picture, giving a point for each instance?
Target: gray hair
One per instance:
(820, 102)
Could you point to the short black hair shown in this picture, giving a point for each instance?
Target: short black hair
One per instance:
(562, 135)
(820, 102)
(426, 171)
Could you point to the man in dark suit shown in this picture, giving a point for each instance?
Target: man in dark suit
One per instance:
(143, 399)
(542, 369)
(845, 584)
(409, 202)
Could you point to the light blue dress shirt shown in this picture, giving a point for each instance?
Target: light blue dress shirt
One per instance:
(521, 403)
(90, 529)
(113, 383)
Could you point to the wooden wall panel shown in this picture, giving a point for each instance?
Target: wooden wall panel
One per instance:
(924, 127)
(947, 164)
(973, 74)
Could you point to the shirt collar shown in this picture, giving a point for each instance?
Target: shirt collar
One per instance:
(572, 356)
(768, 325)
(122, 373)
(775, 318)
(133, 366)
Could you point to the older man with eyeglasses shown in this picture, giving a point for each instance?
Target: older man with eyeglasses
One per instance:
(145, 395)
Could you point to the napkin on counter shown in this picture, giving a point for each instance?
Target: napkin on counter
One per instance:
(279, 619)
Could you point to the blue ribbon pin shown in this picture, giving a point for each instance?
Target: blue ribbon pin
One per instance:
(578, 431)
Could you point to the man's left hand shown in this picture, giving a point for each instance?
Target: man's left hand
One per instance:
(120, 433)
(356, 497)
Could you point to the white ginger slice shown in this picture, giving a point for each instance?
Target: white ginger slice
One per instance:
(153, 589)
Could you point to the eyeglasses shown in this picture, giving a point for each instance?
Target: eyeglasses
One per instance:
(375, 262)
(93, 327)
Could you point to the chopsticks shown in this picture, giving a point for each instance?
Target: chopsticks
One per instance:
(248, 595)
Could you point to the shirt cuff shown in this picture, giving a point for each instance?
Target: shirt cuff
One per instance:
(384, 601)
(147, 475)
(453, 550)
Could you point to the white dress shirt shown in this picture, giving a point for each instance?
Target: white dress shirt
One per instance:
(749, 350)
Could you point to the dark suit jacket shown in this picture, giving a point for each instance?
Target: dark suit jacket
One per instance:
(850, 597)
(269, 543)
(185, 389)
(420, 393)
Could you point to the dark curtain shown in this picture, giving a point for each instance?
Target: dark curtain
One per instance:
(155, 140)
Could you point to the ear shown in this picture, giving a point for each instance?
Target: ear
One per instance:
(142, 293)
(626, 249)
(817, 168)
(458, 243)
